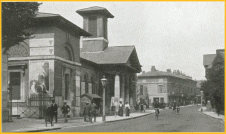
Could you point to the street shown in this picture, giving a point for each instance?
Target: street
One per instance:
(188, 120)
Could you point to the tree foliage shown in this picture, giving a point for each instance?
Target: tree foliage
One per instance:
(213, 89)
(16, 16)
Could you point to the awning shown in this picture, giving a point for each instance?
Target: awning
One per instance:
(91, 96)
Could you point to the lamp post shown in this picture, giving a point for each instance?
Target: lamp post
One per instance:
(201, 99)
(103, 81)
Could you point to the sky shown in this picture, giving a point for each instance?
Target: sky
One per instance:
(167, 35)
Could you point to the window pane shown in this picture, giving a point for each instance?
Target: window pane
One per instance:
(15, 81)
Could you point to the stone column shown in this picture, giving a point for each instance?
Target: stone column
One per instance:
(122, 87)
(127, 87)
(117, 86)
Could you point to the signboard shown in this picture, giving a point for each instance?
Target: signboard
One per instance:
(41, 76)
(41, 46)
(42, 51)
(43, 42)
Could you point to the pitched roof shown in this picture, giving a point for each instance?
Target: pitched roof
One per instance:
(95, 10)
(208, 59)
(161, 73)
(111, 55)
(41, 14)
(62, 21)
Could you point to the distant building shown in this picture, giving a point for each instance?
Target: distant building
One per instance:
(167, 86)
(213, 61)
(197, 91)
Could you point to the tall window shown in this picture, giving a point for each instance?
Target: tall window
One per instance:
(86, 83)
(15, 80)
(93, 85)
(160, 88)
(141, 90)
(66, 86)
(92, 25)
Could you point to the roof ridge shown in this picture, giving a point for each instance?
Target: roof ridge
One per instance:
(124, 46)
(48, 13)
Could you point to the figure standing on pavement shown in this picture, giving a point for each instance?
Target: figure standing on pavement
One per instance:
(49, 115)
(127, 109)
(65, 110)
(86, 112)
(93, 108)
(157, 105)
(54, 109)
(120, 111)
(174, 106)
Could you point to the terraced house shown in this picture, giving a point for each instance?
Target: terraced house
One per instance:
(166, 86)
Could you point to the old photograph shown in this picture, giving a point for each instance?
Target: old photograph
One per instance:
(113, 66)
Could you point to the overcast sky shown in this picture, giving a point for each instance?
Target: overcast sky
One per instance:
(172, 35)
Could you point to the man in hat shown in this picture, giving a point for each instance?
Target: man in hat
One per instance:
(93, 108)
(86, 112)
(65, 110)
(54, 109)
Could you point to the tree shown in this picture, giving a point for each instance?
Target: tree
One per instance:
(16, 16)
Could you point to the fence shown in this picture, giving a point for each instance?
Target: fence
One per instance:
(37, 105)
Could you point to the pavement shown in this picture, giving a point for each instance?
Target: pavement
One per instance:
(212, 114)
(38, 125)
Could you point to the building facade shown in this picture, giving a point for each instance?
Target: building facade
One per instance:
(51, 65)
(213, 61)
(167, 86)
(48, 63)
(118, 63)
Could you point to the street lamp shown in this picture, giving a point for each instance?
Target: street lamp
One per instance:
(201, 99)
(103, 81)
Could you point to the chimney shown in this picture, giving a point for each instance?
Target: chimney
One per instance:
(168, 70)
(95, 22)
(153, 68)
(219, 50)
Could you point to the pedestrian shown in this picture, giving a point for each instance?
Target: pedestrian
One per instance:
(65, 110)
(120, 111)
(174, 106)
(93, 108)
(86, 112)
(127, 109)
(157, 105)
(141, 107)
(54, 109)
(49, 115)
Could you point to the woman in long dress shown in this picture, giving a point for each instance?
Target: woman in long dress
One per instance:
(120, 111)
(127, 109)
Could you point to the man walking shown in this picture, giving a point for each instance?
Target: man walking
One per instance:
(93, 108)
(65, 110)
(86, 112)
(54, 109)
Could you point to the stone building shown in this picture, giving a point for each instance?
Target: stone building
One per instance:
(167, 86)
(118, 63)
(51, 64)
(213, 61)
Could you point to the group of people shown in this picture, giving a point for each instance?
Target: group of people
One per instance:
(121, 107)
(90, 112)
(51, 112)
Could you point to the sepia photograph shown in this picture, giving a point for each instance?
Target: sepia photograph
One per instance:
(113, 66)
